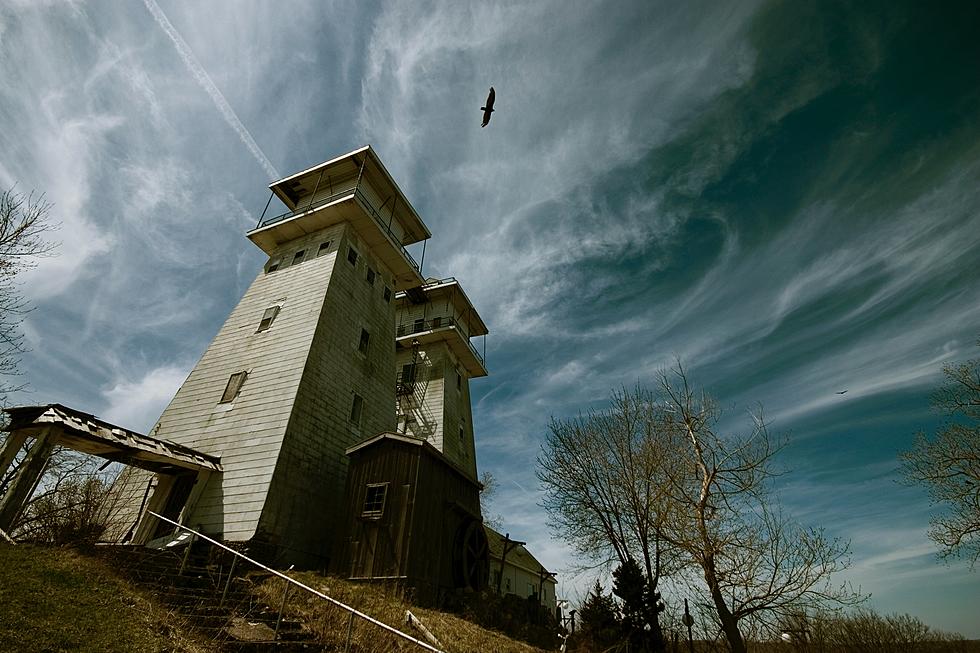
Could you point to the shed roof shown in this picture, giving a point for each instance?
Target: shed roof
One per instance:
(86, 433)
(518, 556)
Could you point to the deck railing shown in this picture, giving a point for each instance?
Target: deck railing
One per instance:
(439, 322)
(365, 204)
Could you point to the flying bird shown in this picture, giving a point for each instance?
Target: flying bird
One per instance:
(487, 110)
(841, 392)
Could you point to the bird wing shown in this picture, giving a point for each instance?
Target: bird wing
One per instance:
(490, 99)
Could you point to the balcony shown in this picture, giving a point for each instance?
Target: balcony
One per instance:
(385, 226)
(443, 328)
(353, 189)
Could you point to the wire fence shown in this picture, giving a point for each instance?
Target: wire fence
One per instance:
(240, 603)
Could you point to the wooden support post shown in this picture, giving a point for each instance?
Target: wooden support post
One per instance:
(27, 477)
(350, 632)
(11, 446)
(282, 603)
(231, 574)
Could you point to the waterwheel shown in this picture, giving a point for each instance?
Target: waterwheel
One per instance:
(471, 559)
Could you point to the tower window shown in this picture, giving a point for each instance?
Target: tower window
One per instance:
(370, 277)
(362, 346)
(387, 294)
(459, 381)
(462, 434)
(374, 500)
(267, 318)
(355, 410)
(234, 386)
(298, 257)
(323, 248)
(273, 265)
(351, 256)
(408, 373)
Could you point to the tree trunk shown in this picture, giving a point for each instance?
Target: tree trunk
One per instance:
(729, 625)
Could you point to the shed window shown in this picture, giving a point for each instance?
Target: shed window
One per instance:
(323, 248)
(298, 257)
(355, 410)
(267, 318)
(235, 382)
(351, 256)
(363, 344)
(436, 322)
(419, 325)
(374, 500)
(370, 277)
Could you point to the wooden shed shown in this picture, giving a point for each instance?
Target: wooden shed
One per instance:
(413, 517)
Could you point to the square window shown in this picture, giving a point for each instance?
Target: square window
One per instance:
(355, 410)
(273, 265)
(370, 277)
(374, 500)
(267, 318)
(323, 248)
(298, 257)
(408, 373)
(362, 346)
(387, 294)
(351, 256)
(419, 325)
(234, 386)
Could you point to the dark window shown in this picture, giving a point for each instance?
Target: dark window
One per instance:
(419, 325)
(323, 248)
(235, 382)
(298, 257)
(355, 410)
(462, 435)
(408, 373)
(370, 276)
(351, 256)
(267, 318)
(459, 381)
(362, 346)
(387, 294)
(273, 266)
(436, 322)
(374, 500)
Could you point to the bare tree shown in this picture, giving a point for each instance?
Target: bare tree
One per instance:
(488, 490)
(601, 476)
(650, 479)
(948, 464)
(758, 566)
(23, 227)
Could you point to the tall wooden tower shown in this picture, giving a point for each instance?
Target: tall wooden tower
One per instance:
(303, 368)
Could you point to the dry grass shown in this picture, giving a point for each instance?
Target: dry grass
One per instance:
(57, 599)
(386, 604)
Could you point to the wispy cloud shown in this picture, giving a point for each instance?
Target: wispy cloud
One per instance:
(201, 76)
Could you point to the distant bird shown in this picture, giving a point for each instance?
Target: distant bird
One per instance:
(487, 110)
(841, 392)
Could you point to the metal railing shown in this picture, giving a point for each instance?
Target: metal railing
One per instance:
(353, 612)
(418, 326)
(365, 204)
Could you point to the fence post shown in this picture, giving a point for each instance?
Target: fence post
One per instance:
(187, 554)
(350, 632)
(282, 603)
(231, 574)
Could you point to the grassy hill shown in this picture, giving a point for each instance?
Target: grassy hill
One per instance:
(57, 599)
(60, 599)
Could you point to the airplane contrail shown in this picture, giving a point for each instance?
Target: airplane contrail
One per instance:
(204, 80)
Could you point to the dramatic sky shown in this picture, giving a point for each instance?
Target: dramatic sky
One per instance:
(785, 196)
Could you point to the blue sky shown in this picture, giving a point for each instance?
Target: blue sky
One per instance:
(784, 196)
